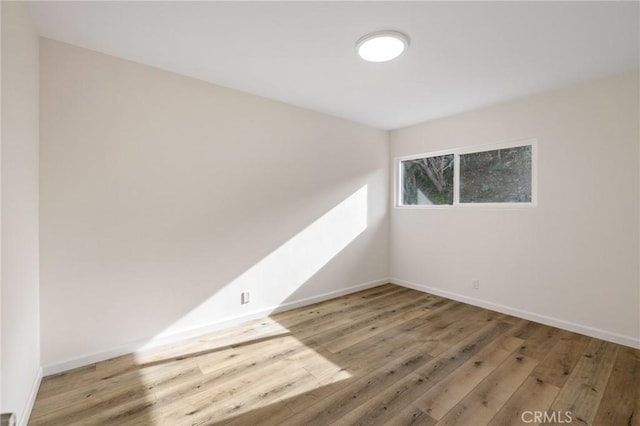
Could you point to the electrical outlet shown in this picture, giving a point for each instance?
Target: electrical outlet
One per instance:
(475, 284)
(245, 297)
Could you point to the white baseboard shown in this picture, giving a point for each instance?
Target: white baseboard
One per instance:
(543, 319)
(26, 411)
(152, 342)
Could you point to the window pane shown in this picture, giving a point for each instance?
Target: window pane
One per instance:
(499, 176)
(427, 181)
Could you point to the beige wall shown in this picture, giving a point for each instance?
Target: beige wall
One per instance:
(20, 306)
(572, 261)
(164, 197)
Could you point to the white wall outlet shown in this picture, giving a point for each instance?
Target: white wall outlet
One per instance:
(475, 284)
(245, 297)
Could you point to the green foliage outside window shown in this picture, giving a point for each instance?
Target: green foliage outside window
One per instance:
(498, 176)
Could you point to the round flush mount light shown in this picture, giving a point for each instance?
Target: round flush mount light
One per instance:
(382, 46)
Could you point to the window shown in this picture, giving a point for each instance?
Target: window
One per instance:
(492, 175)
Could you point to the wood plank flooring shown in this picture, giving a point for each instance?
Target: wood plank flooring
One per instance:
(384, 356)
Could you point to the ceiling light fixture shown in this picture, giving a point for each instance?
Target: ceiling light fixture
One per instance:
(382, 46)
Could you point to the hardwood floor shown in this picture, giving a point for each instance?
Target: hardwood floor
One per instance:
(388, 356)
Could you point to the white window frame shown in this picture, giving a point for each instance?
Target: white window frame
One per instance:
(397, 196)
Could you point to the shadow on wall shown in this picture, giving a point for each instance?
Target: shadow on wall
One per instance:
(86, 394)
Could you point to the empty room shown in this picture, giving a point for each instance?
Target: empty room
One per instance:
(320, 213)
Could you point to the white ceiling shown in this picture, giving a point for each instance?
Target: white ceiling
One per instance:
(463, 55)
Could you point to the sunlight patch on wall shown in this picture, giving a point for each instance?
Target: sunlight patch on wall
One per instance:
(273, 279)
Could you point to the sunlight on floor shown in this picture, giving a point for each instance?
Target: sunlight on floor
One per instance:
(232, 373)
(259, 363)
